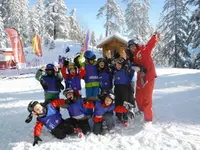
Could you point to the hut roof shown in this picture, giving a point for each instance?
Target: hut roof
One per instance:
(107, 39)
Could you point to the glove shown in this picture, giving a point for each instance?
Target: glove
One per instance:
(66, 63)
(137, 69)
(36, 140)
(76, 62)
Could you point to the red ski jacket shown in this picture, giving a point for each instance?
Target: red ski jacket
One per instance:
(142, 56)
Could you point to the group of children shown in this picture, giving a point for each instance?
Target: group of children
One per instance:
(100, 102)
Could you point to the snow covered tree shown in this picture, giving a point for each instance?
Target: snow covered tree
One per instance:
(56, 17)
(93, 41)
(137, 20)
(194, 25)
(75, 32)
(2, 31)
(173, 27)
(52, 46)
(37, 21)
(114, 17)
(24, 22)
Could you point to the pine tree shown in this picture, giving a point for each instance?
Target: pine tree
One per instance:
(93, 41)
(75, 32)
(2, 31)
(194, 25)
(56, 17)
(52, 46)
(114, 17)
(173, 27)
(24, 22)
(137, 20)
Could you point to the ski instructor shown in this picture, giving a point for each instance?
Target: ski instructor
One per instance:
(146, 74)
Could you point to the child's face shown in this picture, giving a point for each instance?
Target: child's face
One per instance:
(133, 48)
(49, 72)
(118, 66)
(72, 71)
(38, 109)
(108, 101)
(70, 96)
(101, 64)
(91, 61)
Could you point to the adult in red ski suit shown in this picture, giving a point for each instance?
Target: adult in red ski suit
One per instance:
(146, 74)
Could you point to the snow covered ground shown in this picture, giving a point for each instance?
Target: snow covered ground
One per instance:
(176, 125)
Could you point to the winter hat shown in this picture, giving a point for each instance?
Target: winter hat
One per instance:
(67, 91)
(49, 67)
(30, 108)
(132, 42)
(120, 60)
(89, 55)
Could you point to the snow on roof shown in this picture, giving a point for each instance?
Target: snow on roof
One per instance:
(6, 49)
(117, 36)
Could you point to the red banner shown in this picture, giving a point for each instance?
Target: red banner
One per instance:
(36, 45)
(16, 45)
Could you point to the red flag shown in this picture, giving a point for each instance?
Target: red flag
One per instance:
(16, 45)
(36, 45)
(86, 40)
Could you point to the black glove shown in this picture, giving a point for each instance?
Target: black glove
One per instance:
(36, 140)
(66, 63)
(76, 62)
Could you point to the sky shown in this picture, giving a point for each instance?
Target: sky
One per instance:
(86, 11)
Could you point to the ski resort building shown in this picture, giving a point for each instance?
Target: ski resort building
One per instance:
(114, 43)
(6, 58)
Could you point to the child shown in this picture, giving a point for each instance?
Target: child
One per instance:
(122, 81)
(105, 75)
(79, 109)
(104, 112)
(50, 81)
(51, 118)
(73, 79)
(91, 76)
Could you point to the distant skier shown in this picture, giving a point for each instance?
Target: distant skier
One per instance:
(67, 50)
(50, 78)
(51, 118)
(146, 74)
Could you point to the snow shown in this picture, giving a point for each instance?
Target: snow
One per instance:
(176, 103)
(176, 125)
(116, 35)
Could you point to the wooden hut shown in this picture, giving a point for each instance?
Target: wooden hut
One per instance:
(114, 43)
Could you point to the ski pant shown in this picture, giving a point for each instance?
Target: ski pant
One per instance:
(83, 124)
(144, 98)
(64, 128)
(123, 92)
(92, 91)
(109, 122)
(49, 97)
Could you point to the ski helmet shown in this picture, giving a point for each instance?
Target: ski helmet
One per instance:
(71, 66)
(49, 67)
(101, 60)
(89, 55)
(67, 91)
(111, 95)
(31, 106)
(120, 60)
(132, 42)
